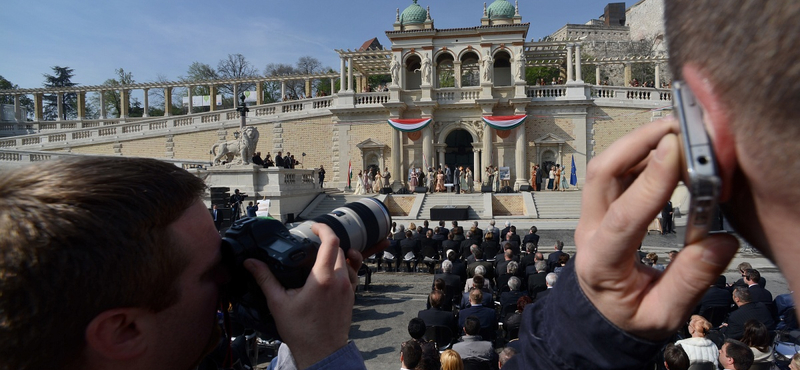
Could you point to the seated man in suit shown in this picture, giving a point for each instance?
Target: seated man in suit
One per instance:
(486, 315)
(409, 249)
(757, 292)
(430, 251)
(510, 298)
(552, 258)
(472, 344)
(531, 237)
(716, 296)
(449, 243)
(528, 259)
(515, 237)
(531, 268)
(743, 267)
(734, 327)
(480, 261)
(450, 279)
(459, 267)
(550, 280)
(501, 264)
(434, 316)
(477, 233)
(538, 282)
(479, 283)
(466, 244)
(410, 354)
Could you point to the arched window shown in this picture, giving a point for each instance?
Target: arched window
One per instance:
(413, 75)
(445, 73)
(470, 70)
(502, 69)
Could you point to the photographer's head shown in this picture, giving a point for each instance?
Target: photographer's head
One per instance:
(114, 259)
(740, 60)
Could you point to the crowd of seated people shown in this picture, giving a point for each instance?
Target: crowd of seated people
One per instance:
(481, 287)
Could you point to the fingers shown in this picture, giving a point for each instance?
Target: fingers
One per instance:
(271, 287)
(329, 255)
(608, 173)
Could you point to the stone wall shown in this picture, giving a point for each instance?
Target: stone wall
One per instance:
(508, 205)
(399, 205)
(610, 124)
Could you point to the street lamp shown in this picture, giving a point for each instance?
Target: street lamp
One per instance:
(242, 111)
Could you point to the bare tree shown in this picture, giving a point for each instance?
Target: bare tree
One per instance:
(236, 66)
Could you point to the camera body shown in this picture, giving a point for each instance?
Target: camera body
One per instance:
(291, 254)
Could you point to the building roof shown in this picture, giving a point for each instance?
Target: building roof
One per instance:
(500, 9)
(414, 14)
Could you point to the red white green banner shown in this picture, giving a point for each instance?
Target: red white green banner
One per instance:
(409, 125)
(504, 122)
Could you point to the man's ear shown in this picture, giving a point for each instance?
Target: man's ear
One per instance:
(718, 125)
(118, 334)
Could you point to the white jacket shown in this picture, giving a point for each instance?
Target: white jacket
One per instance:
(700, 350)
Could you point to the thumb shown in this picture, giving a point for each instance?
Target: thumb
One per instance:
(270, 286)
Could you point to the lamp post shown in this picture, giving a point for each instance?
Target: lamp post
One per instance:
(242, 111)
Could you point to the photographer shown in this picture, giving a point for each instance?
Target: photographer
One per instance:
(128, 274)
(235, 203)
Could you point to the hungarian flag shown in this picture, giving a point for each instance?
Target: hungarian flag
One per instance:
(409, 125)
(573, 177)
(349, 172)
(504, 122)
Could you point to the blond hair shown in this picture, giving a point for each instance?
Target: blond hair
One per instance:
(451, 360)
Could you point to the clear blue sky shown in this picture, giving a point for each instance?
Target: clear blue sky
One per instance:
(152, 37)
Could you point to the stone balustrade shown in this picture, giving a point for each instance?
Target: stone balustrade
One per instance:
(10, 158)
(619, 93)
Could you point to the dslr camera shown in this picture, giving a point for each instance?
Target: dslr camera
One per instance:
(291, 253)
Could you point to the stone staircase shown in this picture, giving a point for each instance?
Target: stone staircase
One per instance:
(558, 205)
(474, 201)
(331, 202)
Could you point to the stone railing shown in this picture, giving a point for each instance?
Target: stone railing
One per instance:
(456, 95)
(16, 158)
(600, 93)
(372, 98)
(546, 92)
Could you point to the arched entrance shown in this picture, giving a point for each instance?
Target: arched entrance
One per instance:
(459, 149)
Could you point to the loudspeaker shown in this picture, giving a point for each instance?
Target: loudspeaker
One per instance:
(420, 189)
(386, 190)
(506, 189)
(525, 188)
(486, 188)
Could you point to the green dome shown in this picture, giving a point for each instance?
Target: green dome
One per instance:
(500, 9)
(413, 14)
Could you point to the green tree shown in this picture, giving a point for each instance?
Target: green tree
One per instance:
(534, 74)
(24, 101)
(62, 77)
(112, 98)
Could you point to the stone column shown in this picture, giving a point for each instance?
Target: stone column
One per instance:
(427, 145)
(521, 158)
(476, 165)
(627, 79)
(578, 76)
(350, 74)
(333, 85)
(146, 103)
(569, 62)
(17, 109)
(657, 82)
(82, 105)
(359, 85)
(189, 95)
(259, 93)
(212, 99)
(486, 151)
(124, 103)
(396, 159)
(441, 152)
(341, 76)
(167, 102)
(308, 88)
(103, 112)
(59, 106)
(38, 112)
(235, 96)
(457, 74)
(597, 74)
(283, 90)
(434, 76)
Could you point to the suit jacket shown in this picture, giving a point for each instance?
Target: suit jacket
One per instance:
(484, 314)
(451, 244)
(450, 280)
(715, 297)
(473, 346)
(530, 238)
(494, 230)
(409, 245)
(759, 294)
(536, 284)
(437, 317)
(478, 236)
(524, 262)
(509, 298)
(430, 248)
(762, 282)
(552, 259)
(487, 301)
(460, 269)
(487, 265)
(737, 319)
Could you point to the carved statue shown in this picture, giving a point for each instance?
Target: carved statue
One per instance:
(394, 68)
(519, 71)
(426, 70)
(243, 147)
(487, 68)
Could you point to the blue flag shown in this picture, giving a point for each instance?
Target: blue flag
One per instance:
(573, 177)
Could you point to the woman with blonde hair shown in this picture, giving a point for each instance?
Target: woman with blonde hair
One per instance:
(451, 360)
(698, 347)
